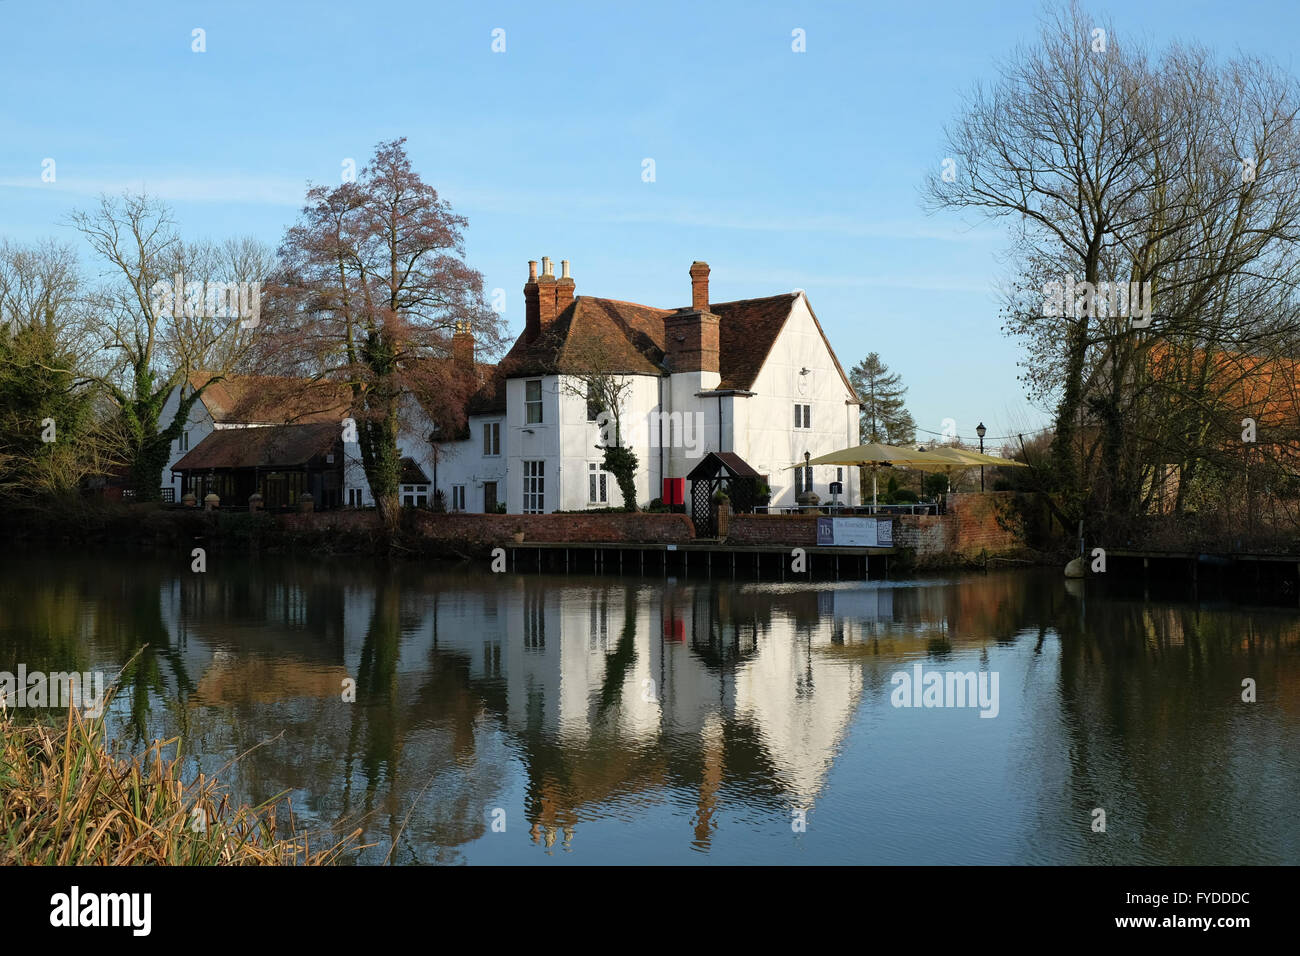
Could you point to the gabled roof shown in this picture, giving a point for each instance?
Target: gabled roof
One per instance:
(412, 473)
(722, 461)
(269, 446)
(630, 339)
(271, 399)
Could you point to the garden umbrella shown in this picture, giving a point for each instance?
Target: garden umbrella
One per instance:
(953, 459)
(875, 455)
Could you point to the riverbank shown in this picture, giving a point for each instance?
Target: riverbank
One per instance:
(978, 531)
(66, 799)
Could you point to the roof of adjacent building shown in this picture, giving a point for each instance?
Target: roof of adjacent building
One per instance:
(629, 339)
(268, 446)
(272, 399)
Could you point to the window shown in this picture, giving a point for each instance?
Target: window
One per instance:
(183, 443)
(803, 480)
(534, 622)
(593, 403)
(803, 416)
(534, 487)
(491, 438)
(533, 402)
(596, 487)
(457, 497)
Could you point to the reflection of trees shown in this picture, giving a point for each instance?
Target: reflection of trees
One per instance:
(1159, 734)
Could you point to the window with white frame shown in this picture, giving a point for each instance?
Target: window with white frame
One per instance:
(183, 443)
(457, 497)
(491, 439)
(597, 492)
(415, 496)
(534, 487)
(533, 401)
(803, 416)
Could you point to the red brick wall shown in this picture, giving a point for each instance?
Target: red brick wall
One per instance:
(633, 528)
(986, 522)
(785, 531)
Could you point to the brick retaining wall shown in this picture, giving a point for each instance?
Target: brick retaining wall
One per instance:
(480, 529)
(974, 523)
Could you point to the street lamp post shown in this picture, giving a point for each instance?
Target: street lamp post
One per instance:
(981, 431)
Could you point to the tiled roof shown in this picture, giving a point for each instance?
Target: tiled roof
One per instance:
(747, 330)
(630, 339)
(490, 399)
(272, 399)
(716, 461)
(268, 446)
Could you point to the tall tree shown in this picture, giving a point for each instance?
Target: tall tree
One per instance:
(48, 438)
(882, 416)
(159, 324)
(1120, 170)
(375, 285)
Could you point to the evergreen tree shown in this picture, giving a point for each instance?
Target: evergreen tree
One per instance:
(882, 417)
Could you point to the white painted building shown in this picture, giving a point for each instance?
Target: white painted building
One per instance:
(756, 378)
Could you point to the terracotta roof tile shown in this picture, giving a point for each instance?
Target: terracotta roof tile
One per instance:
(632, 336)
(272, 399)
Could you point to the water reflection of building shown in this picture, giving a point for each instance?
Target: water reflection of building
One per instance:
(613, 689)
(607, 691)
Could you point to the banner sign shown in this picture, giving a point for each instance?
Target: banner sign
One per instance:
(855, 532)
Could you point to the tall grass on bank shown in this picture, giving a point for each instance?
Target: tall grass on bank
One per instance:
(66, 799)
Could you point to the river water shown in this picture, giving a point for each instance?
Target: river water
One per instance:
(527, 718)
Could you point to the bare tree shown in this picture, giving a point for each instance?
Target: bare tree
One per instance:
(158, 324)
(590, 372)
(1181, 177)
(375, 285)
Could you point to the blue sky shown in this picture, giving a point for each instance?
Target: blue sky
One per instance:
(783, 170)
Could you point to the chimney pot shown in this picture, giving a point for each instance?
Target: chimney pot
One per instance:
(532, 270)
(699, 272)
(564, 268)
(546, 266)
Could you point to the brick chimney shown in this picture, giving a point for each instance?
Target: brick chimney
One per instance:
(563, 288)
(462, 346)
(546, 293)
(700, 286)
(532, 314)
(691, 335)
